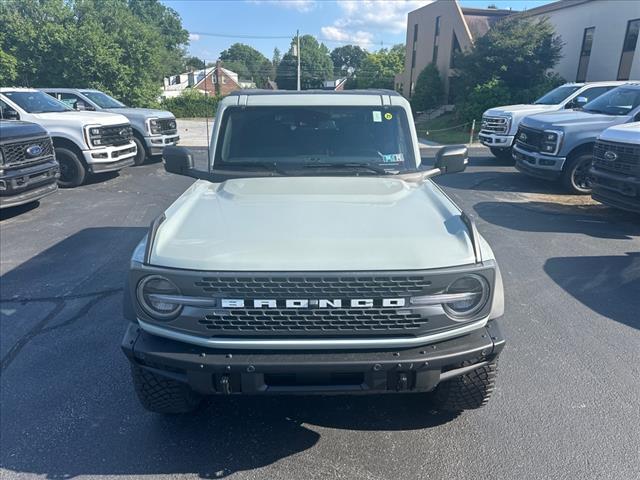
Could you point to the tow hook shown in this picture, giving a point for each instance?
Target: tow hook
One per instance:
(225, 386)
(403, 382)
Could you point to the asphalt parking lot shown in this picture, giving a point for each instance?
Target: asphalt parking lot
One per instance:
(567, 404)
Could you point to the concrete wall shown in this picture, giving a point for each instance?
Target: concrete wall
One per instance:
(610, 18)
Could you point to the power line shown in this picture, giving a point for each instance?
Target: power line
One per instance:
(284, 37)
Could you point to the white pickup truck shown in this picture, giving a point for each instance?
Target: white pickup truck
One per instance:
(84, 142)
(500, 124)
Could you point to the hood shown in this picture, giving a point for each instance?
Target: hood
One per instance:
(84, 117)
(627, 133)
(570, 118)
(312, 224)
(142, 113)
(520, 110)
(16, 129)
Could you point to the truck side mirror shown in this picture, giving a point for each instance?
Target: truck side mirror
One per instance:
(452, 159)
(178, 160)
(10, 114)
(580, 102)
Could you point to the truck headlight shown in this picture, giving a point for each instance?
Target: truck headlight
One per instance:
(153, 125)
(472, 292)
(1, 157)
(93, 136)
(551, 140)
(154, 294)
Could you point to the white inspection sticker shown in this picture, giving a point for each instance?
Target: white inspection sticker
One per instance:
(377, 116)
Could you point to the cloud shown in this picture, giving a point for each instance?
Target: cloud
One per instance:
(360, 17)
(302, 6)
(194, 37)
(360, 37)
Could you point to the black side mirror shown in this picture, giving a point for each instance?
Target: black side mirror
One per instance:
(178, 160)
(452, 159)
(10, 114)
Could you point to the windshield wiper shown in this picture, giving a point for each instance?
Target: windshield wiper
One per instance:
(350, 166)
(269, 166)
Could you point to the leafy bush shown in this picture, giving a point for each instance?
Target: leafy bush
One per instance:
(482, 97)
(429, 90)
(191, 104)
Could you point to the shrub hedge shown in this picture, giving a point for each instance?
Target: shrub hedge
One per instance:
(191, 104)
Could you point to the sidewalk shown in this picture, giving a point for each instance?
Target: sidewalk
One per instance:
(193, 131)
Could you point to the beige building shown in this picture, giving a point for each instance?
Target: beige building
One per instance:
(600, 38)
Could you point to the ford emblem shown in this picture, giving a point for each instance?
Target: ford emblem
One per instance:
(523, 137)
(123, 133)
(34, 151)
(610, 156)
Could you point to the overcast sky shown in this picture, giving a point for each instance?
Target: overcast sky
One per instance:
(370, 23)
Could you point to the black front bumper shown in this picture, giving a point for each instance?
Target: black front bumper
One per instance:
(28, 184)
(217, 371)
(542, 173)
(617, 190)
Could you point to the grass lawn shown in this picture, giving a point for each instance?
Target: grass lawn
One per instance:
(446, 130)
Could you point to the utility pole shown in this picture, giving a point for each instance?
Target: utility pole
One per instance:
(298, 55)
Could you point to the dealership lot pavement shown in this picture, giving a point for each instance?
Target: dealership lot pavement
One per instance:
(567, 404)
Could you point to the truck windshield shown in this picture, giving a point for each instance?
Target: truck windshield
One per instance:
(373, 139)
(557, 95)
(102, 99)
(619, 101)
(36, 102)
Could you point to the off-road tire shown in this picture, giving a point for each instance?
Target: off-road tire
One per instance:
(163, 395)
(466, 392)
(72, 170)
(141, 155)
(504, 154)
(571, 167)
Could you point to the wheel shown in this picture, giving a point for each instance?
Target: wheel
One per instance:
(72, 170)
(502, 153)
(468, 391)
(576, 177)
(163, 395)
(141, 155)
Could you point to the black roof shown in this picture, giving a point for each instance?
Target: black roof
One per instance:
(257, 91)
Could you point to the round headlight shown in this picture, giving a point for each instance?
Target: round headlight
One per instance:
(152, 295)
(474, 293)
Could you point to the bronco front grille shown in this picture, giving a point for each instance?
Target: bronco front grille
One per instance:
(617, 157)
(313, 287)
(16, 153)
(312, 320)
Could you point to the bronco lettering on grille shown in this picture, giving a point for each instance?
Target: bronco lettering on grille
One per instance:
(312, 303)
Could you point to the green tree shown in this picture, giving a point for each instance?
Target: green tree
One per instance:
(514, 55)
(8, 68)
(315, 65)
(101, 44)
(276, 58)
(247, 62)
(378, 69)
(193, 63)
(429, 91)
(347, 60)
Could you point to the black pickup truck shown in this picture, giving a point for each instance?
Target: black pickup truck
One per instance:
(28, 167)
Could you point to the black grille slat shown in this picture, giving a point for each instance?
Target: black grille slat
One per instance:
(310, 320)
(16, 153)
(533, 142)
(313, 287)
(167, 126)
(115, 135)
(627, 161)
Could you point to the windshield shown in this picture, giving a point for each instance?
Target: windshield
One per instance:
(36, 102)
(557, 95)
(619, 101)
(374, 139)
(102, 99)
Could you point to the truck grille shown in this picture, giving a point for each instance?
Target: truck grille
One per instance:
(623, 158)
(311, 320)
(168, 126)
(115, 135)
(16, 153)
(495, 125)
(529, 139)
(313, 287)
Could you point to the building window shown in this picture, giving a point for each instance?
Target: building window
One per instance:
(628, 49)
(585, 54)
(455, 50)
(436, 38)
(413, 59)
(415, 33)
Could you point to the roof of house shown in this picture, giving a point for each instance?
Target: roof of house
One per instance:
(550, 7)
